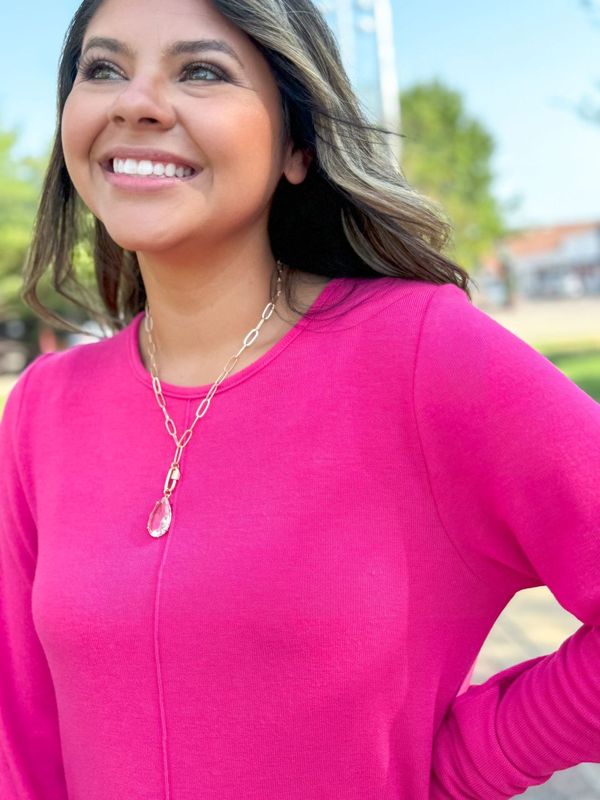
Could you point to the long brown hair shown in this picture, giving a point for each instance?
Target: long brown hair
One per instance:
(354, 215)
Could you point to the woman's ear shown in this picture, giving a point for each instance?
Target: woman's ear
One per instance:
(297, 163)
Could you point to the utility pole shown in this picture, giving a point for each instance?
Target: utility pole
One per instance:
(388, 75)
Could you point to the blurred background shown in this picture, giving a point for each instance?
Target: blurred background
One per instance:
(498, 106)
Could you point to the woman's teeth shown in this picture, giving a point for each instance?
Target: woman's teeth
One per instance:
(129, 166)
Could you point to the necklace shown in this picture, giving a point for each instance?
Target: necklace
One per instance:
(162, 513)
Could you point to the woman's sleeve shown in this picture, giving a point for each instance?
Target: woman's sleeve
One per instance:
(512, 448)
(31, 766)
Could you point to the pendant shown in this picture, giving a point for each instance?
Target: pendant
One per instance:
(160, 518)
(162, 513)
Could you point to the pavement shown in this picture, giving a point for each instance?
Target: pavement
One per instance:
(534, 624)
(541, 322)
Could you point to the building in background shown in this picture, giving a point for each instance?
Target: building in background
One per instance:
(547, 262)
(365, 33)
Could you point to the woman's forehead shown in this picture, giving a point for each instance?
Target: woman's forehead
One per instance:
(161, 21)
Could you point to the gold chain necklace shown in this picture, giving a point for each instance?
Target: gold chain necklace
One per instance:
(162, 513)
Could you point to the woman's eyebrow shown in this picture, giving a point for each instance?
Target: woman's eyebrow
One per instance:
(175, 49)
(198, 45)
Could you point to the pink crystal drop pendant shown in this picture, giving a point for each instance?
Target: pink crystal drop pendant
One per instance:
(160, 518)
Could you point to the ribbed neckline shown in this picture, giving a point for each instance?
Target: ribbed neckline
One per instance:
(171, 389)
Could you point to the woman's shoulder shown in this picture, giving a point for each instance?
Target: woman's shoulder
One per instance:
(387, 289)
(78, 359)
(390, 300)
(53, 374)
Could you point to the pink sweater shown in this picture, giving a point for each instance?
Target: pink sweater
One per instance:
(355, 510)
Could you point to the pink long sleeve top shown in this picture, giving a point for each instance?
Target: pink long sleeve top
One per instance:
(355, 510)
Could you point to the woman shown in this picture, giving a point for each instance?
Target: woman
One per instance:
(277, 591)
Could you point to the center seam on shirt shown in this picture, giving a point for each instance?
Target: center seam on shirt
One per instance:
(159, 681)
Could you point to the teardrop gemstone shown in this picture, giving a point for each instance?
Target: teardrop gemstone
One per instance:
(160, 518)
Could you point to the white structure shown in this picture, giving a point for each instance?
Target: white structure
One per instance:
(550, 261)
(365, 33)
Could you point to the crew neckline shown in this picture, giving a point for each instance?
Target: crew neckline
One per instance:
(173, 390)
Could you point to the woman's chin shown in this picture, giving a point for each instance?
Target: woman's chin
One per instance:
(143, 241)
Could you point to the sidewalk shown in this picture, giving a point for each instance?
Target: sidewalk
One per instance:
(541, 322)
(534, 624)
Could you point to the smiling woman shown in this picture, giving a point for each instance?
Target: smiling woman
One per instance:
(261, 83)
(294, 614)
(140, 93)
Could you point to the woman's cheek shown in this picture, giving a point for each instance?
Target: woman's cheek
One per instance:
(72, 143)
(76, 145)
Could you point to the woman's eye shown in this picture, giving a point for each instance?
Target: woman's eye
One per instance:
(196, 72)
(104, 70)
(99, 70)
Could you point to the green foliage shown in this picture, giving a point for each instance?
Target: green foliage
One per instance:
(580, 364)
(20, 184)
(446, 156)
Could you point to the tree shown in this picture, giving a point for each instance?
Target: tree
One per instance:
(20, 183)
(446, 156)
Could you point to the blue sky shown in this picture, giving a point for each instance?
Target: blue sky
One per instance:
(521, 66)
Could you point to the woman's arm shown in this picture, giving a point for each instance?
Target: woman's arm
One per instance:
(31, 765)
(513, 451)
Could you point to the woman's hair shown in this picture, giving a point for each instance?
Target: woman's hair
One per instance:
(354, 215)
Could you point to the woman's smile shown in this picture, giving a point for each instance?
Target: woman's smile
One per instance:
(139, 182)
(146, 169)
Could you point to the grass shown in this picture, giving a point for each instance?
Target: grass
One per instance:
(579, 362)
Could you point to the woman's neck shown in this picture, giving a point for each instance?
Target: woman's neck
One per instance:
(197, 332)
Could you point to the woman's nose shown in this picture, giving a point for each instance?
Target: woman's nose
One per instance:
(142, 102)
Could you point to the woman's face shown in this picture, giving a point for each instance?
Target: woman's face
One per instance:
(166, 84)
